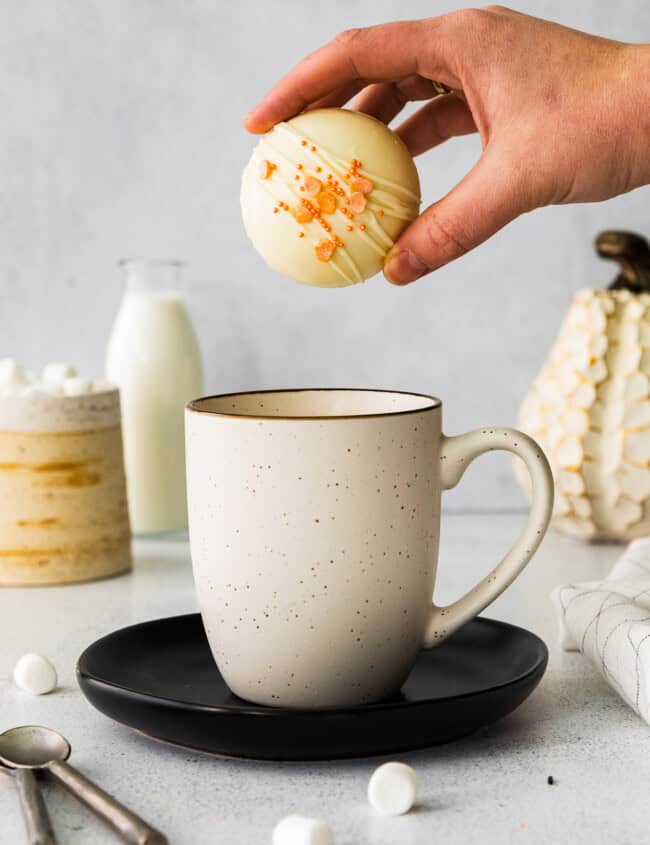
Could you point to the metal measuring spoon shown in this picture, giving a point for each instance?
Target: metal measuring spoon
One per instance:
(35, 815)
(37, 819)
(34, 747)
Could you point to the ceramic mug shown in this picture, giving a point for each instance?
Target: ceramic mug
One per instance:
(314, 520)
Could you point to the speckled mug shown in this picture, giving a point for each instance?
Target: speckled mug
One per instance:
(314, 520)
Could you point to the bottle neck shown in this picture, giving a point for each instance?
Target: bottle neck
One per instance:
(155, 276)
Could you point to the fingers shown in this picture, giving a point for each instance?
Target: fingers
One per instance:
(386, 100)
(339, 97)
(377, 54)
(481, 204)
(443, 118)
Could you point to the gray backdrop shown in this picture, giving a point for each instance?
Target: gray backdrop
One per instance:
(120, 134)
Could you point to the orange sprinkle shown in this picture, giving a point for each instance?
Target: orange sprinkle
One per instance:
(364, 186)
(275, 210)
(296, 176)
(349, 228)
(380, 212)
(299, 167)
(326, 202)
(301, 234)
(313, 185)
(319, 169)
(362, 226)
(266, 168)
(302, 214)
(338, 242)
(302, 187)
(355, 165)
(324, 250)
(358, 202)
(304, 143)
(313, 149)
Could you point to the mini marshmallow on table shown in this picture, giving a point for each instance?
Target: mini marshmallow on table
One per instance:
(326, 195)
(300, 830)
(35, 674)
(392, 789)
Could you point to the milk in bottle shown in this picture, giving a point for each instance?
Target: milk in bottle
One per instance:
(154, 358)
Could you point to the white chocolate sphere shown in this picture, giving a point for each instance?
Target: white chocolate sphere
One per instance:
(326, 194)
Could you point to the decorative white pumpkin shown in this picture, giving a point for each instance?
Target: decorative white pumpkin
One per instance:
(589, 408)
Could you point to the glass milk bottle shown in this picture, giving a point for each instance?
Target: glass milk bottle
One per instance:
(154, 358)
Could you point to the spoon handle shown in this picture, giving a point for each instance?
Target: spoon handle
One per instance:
(37, 820)
(130, 827)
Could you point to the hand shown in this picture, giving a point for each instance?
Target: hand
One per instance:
(563, 116)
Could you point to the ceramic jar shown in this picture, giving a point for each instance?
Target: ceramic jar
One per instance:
(63, 506)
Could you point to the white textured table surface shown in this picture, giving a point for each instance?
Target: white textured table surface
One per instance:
(488, 788)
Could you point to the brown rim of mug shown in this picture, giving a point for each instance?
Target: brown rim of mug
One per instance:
(193, 405)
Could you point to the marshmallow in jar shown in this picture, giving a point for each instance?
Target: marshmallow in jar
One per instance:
(153, 356)
(63, 508)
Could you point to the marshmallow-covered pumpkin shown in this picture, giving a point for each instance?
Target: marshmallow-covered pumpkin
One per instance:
(589, 408)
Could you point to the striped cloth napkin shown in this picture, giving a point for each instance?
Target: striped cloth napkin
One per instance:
(609, 622)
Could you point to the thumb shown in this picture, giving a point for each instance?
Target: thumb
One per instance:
(483, 202)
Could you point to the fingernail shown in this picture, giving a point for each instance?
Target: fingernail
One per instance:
(404, 267)
(252, 123)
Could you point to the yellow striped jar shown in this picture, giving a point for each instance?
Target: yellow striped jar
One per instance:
(63, 504)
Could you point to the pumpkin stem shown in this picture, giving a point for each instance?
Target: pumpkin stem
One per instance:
(633, 254)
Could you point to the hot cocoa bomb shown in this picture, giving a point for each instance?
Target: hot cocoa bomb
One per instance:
(326, 195)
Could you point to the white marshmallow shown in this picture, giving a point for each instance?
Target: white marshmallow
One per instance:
(102, 386)
(392, 789)
(50, 388)
(32, 390)
(57, 373)
(12, 373)
(12, 389)
(299, 830)
(35, 674)
(56, 380)
(77, 386)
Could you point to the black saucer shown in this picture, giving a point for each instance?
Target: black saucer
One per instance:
(159, 678)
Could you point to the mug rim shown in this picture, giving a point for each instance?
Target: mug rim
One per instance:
(433, 402)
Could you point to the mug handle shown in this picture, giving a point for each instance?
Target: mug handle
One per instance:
(456, 453)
